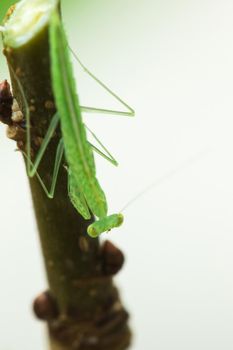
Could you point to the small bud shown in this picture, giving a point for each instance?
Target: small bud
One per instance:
(5, 91)
(113, 258)
(16, 133)
(6, 102)
(45, 307)
(17, 117)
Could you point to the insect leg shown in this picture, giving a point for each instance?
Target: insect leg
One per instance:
(58, 159)
(109, 156)
(130, 111)
(77, 197)
(32, 168)
(49, 134)
(57, 163)
(97, 150)
(104, 111)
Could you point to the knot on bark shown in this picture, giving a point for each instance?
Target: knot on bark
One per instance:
(105, 329)
(102, 327)
(45, 307)
(112, 259)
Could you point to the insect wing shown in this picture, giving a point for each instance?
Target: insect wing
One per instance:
(78, 152)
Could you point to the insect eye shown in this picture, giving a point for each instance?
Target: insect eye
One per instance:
(92, 231)
(120, 219)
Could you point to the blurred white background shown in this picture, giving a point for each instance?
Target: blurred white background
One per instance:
(172, 61)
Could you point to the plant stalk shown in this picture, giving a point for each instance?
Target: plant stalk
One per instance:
(82, 308)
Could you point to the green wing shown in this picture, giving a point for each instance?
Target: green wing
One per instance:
(78, 152)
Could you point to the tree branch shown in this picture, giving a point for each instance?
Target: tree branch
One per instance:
(82, 308)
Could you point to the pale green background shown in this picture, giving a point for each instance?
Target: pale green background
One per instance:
(172, 61)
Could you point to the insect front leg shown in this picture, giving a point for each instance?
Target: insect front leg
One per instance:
(77, 197)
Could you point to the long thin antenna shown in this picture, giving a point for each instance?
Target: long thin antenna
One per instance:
(165, 177)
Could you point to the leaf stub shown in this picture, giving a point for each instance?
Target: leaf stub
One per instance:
(26, 19)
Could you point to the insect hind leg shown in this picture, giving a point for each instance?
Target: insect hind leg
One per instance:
(32, 167)
(48, 136)
(108, 156)
(130, 111)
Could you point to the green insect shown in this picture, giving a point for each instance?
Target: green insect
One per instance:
(84, 189)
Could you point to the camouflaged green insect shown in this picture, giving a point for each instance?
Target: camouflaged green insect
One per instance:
(84, 190)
